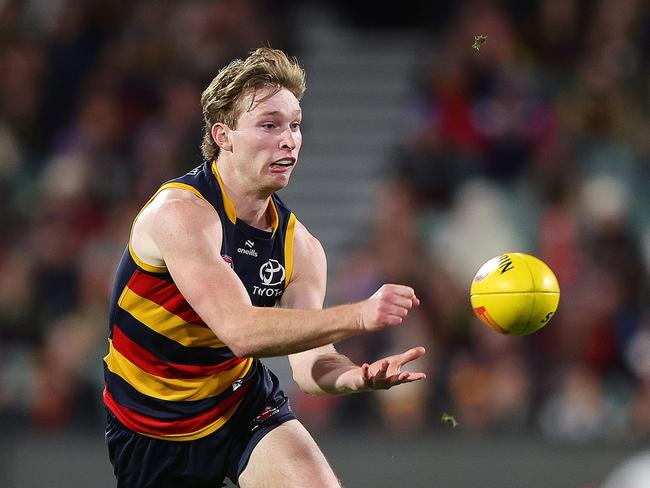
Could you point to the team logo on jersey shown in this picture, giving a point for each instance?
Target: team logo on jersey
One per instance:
(272, 273)
(228, 260)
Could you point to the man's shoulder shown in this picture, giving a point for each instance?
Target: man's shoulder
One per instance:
(176, 203)
(306, 244)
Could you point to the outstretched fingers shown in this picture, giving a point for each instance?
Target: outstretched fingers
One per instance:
(409, 377)
(383, 370)
(387, 372)
(410, 355)
(365, 373)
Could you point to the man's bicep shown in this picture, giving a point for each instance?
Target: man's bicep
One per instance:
(303, 295)
(307, 287)
(188, 235)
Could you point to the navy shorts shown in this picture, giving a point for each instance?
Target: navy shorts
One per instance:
(144, 462)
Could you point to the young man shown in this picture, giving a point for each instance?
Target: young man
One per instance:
(188, 401)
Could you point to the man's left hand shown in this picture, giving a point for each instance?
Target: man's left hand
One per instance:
(383, 373)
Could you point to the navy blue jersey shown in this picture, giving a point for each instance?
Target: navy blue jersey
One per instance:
(262, 260)
(168, 376)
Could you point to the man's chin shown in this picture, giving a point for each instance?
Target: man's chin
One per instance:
(273, 187)
(278, 182)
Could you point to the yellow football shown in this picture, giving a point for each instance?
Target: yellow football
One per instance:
(515, 293)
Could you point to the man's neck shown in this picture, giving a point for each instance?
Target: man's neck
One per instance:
(251, 204)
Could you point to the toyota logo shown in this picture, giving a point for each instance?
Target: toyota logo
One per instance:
(272, 273)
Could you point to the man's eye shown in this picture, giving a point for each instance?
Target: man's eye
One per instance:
(295, 125)
(268, 126)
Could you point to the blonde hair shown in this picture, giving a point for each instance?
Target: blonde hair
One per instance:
(263, 68)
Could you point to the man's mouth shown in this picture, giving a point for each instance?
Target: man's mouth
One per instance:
(285, 163)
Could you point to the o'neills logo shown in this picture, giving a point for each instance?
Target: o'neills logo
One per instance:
(249, 252)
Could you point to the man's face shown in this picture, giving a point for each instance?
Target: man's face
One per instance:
(267, 140)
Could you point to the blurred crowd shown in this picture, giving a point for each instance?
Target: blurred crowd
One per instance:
(99, 104)
(539, 142)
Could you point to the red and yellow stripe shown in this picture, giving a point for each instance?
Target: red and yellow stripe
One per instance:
(179, 430)
(159, 305)
(150, 363)
(174, 389)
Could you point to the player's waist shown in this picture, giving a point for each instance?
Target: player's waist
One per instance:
(161, 417)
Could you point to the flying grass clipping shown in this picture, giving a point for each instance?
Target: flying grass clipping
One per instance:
(449, 419)
(479, 41)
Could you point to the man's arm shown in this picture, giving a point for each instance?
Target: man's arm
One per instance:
(184, 232)
(307, 291)
(323, 370)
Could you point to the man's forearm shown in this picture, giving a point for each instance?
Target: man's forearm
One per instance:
(267, 332)
(325, 373)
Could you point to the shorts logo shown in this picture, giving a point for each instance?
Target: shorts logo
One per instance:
(272, 273)
(266, 414)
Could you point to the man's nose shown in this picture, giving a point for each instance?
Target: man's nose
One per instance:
(288, 139)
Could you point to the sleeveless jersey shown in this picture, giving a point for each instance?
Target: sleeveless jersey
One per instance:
(167, 375)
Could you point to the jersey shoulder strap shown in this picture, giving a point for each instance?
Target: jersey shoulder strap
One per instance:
(202, 181)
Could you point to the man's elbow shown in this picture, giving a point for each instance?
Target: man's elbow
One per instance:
(232, 331)
(298, 380)
(302, 378)
(240, 349)
(240, 345)
(310, 388)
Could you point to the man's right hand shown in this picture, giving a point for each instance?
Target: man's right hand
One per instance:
(387, 307)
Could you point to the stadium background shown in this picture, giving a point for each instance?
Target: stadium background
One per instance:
(422, 158)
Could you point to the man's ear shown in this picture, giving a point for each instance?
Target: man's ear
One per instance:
(221, 135)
